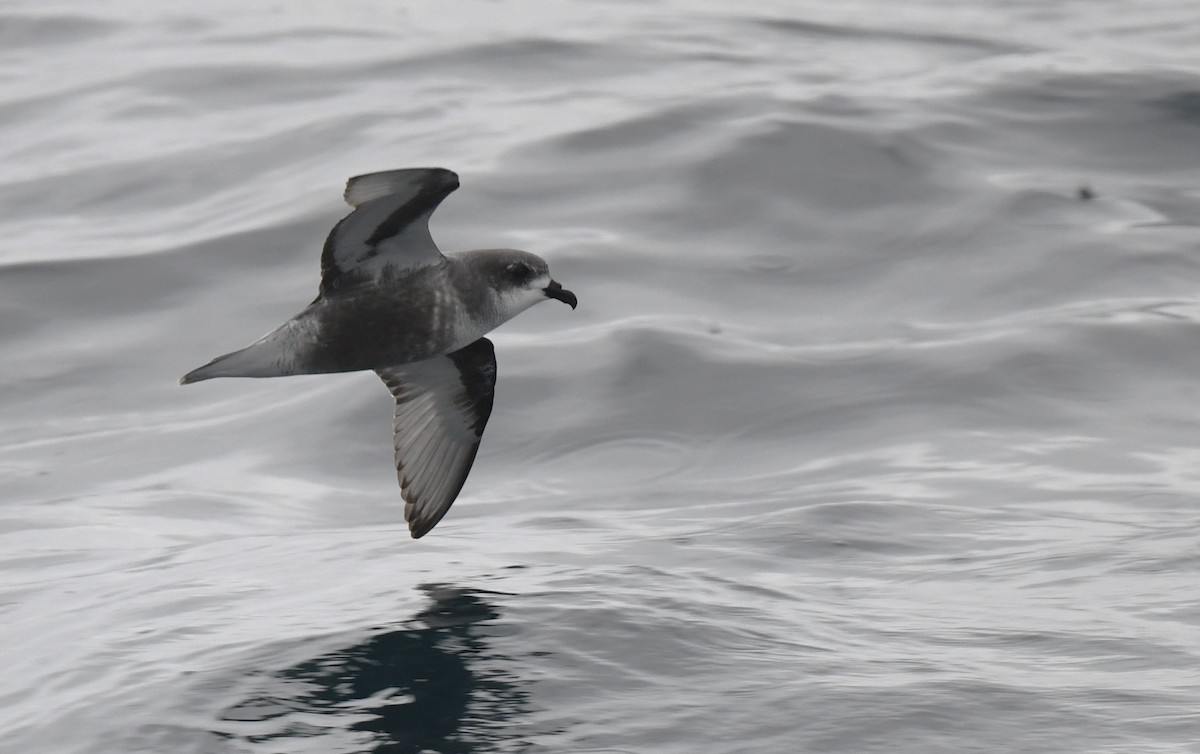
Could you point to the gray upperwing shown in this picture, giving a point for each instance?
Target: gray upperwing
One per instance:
(442, 406)
(389, 227)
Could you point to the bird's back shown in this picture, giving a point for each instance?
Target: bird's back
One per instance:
(391, 321)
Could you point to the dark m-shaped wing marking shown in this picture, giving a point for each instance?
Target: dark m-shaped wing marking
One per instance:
(389, 227)
(442, 406)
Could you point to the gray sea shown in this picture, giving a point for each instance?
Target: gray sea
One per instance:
(877, 428)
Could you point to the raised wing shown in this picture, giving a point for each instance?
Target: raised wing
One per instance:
(389, 227)
(442, 406)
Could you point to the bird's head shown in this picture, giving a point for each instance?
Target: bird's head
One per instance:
(517, 279)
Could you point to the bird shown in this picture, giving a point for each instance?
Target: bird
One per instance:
(390, 301)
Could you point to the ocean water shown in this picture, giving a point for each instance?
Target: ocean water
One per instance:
(876, 429)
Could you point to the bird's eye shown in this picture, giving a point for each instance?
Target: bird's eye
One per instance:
(519, 271)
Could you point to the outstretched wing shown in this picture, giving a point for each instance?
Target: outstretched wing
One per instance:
(442, 406)
(389, 227)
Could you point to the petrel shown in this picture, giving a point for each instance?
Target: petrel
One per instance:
(390, 301)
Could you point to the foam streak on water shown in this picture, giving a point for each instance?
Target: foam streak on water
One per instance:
(875, 430)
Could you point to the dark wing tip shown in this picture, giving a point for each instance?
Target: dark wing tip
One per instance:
(363, 188)
(422, 517)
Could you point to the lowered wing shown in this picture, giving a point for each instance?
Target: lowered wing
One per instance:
(442, 406)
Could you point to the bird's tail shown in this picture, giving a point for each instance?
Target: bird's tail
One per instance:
(230, 365)
(273, 355)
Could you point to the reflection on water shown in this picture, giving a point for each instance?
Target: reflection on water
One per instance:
(433, 684)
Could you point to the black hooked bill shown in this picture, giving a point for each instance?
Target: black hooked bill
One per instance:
(555, 290)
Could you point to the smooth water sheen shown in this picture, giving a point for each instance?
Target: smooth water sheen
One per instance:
(876, 429)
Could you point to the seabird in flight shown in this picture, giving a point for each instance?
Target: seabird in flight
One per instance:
(390, 301)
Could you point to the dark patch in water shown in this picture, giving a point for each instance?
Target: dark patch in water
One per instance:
(1185, 106)
(430, 686)
(35, 31)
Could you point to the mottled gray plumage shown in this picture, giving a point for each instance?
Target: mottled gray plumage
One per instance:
(390, 301)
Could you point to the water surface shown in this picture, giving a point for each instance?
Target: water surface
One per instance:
(875, 429)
